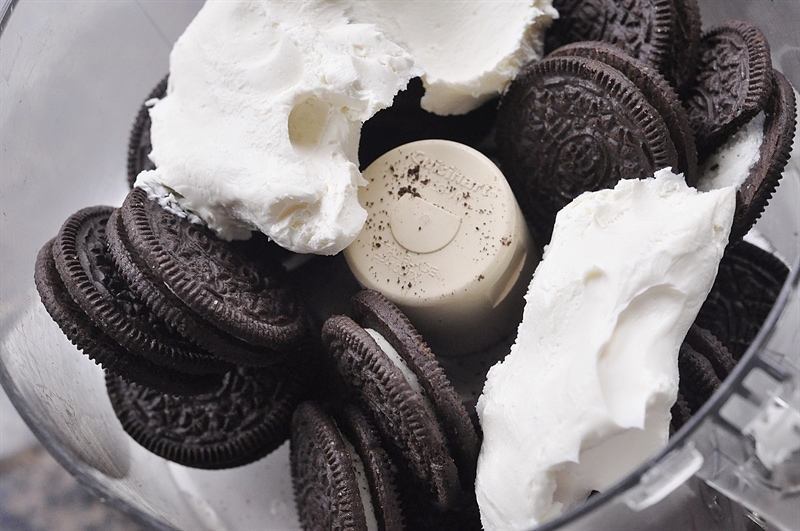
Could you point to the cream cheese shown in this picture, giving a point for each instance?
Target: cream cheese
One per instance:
(584, 395)
(469, 51)
(260, 126)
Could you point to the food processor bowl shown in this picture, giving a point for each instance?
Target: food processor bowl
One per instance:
(73, 77)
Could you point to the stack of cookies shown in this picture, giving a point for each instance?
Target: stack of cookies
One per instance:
(627, 90)
(385, 374)
(204, 342)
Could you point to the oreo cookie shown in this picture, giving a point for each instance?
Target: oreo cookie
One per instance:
(139, 145)
(686, 44)
(99, 347)
(231, 289)
(661, 33)
(392, 373)
(680, 412)
(571, 124)
(374, 311)
(732, 82)
(171, 309)
(95, 284)
(656, 89)
(703, 363)
(341, 474)
(748, 283)
(779, 129)
(245, 417)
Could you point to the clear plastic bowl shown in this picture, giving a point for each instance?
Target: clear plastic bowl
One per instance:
(73, 76)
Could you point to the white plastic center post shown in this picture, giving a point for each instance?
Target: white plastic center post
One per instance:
(446, 241)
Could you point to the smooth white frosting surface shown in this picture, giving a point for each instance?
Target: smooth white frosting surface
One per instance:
(584, 395)
(260, 126)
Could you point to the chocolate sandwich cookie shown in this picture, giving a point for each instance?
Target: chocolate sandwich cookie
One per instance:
(406, 121)
(403, 417)
(748, 283)
(572, 124)
(342, 476)
(95, 284)
(685, 45)
(681, 413)
(421, 512)
(661, 95)
(172, 310)
(394, 375)
(755, 192)
(139, 146)
(732, 82)
(99, 347)
(658, 32)
(244, 417)
(374, 311)
(235, 289)
(703, 363)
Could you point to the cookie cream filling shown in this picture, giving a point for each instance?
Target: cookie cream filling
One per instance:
(363, 486)
(584, 395)
(260, 126)
(401, 364)
(731, 164)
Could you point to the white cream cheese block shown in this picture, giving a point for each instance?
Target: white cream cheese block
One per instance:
(584, 395)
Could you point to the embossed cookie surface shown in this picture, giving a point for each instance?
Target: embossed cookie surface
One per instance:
(398, 410)
(244, 418)
(568, 125)
(328, 491)
(331, 500)
(231, 285)
(747, 285)
(654, 31)
(704, 363)
(656, 89)
(98, 346)
(686, 44)
(421, 417)
(732, 84)
(373, 310)
(96, 285)
(164, 303)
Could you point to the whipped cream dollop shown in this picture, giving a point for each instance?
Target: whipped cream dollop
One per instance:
(260, 126)
(584, 395)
